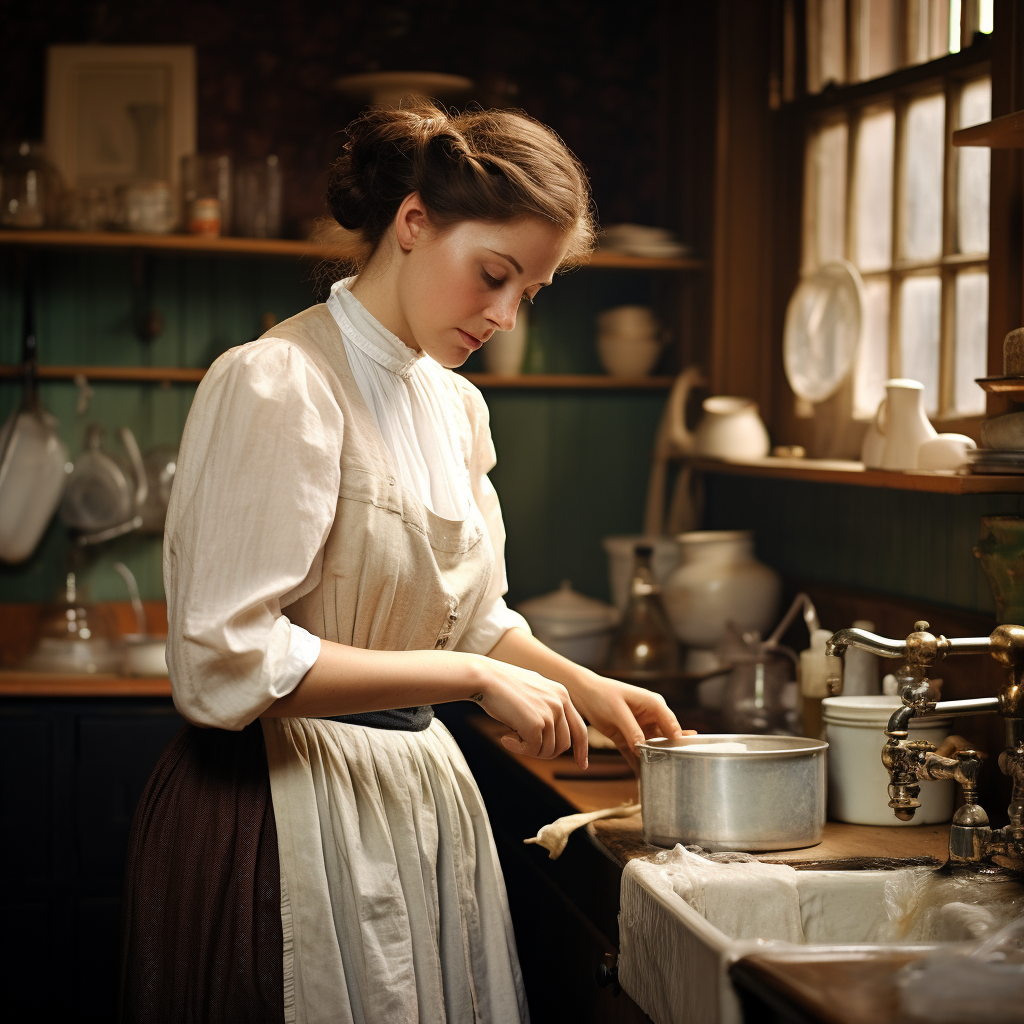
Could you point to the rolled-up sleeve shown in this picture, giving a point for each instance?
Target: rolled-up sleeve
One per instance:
(493, 617)
(252, 504)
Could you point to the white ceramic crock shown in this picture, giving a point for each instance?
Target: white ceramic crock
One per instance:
(719, 581)
(577, 627)
(731, 429)
(858, 783)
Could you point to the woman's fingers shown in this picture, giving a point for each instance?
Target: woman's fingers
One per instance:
(578, 732)
(560, 738)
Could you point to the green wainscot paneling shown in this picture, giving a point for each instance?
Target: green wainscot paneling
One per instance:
(572, 468)
(572, 465)
(906, 543)
(85, 310)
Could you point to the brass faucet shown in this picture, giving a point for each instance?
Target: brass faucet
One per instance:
(972, 841)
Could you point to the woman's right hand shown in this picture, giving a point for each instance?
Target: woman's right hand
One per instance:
(542, 718)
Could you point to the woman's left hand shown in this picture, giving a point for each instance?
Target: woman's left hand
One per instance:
(626, 714)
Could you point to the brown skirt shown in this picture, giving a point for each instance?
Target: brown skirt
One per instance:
(202, 939)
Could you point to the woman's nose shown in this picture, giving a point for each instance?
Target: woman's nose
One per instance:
(503, 315)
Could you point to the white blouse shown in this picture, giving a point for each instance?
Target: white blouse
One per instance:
(264, 430)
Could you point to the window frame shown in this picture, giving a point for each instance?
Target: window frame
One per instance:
(946, 75)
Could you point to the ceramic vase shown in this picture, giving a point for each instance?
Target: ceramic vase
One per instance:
(731, 429)
(901, 418)
(1001, 553)
(720, 581)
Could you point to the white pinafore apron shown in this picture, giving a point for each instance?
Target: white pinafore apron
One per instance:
(392, 899)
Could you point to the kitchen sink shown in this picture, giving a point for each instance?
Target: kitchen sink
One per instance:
(685, 919)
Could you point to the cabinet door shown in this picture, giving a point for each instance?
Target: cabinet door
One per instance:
(26, 783)
(116, 754)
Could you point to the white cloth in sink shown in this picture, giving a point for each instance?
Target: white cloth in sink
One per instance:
(744, 900)
(664, 964)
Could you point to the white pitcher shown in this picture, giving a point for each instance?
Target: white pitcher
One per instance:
(731, 429)
(902, 421)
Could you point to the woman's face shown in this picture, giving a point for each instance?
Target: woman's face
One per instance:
(456, 286)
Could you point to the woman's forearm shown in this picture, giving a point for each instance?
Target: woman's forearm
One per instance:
(517, 647)
(348, 680)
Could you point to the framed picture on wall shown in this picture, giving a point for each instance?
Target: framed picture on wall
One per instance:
(120, 114)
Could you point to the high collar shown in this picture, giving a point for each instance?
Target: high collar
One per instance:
(368, 333)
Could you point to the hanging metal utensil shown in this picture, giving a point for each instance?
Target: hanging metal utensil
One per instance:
(32, 458)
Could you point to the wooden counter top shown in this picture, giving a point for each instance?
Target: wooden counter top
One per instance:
(622, 837)
(47, 684)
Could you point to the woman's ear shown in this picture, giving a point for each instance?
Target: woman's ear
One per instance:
(412, 222)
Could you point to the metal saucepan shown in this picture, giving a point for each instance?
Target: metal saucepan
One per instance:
(769, 797)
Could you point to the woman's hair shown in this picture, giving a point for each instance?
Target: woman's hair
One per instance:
(478, 165)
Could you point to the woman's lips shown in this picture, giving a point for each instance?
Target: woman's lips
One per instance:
(473, 343)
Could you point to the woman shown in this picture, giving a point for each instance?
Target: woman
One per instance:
(317, 850)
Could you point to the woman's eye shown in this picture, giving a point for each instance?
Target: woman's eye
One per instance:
(491, 281)
(526, 298)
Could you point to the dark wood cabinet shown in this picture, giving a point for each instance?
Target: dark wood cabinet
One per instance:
(71, 774)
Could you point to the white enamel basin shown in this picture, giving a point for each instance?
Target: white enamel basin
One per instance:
(680, 932)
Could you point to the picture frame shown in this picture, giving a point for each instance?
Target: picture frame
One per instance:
(118, 114)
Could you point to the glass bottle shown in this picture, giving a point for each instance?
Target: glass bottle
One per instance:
(644, 641)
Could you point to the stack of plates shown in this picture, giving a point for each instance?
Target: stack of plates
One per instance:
(995, 460)
(640, 240)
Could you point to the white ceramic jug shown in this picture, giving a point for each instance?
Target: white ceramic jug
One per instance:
(719, 581)
(901, 419)
(731, 429)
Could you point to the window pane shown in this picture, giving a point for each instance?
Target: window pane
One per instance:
(927, 29)
(919, 335)
(986, 12)
(972, 184)
(873, 199)
(830, 205)
(921, 221)
(876, 40)
(971, 340)
(832, 24)
(954, 26)
(872, 370)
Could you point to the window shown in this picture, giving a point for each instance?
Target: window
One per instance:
(886, 190)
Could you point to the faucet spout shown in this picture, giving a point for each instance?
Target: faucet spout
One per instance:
(837, 645)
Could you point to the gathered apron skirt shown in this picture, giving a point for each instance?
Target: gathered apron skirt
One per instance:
(316, 871)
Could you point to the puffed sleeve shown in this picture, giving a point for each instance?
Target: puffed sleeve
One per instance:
(493, 617)
(254, 498)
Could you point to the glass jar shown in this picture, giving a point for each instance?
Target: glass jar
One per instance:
(206, 193)
(258, 198)
(29, 187)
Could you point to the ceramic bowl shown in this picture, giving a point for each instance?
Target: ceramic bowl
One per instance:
(625, 356)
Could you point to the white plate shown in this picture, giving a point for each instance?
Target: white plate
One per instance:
(822, 334)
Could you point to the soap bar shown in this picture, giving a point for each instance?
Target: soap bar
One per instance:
(716, 748)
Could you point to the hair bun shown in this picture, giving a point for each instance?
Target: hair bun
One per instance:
(489, 165)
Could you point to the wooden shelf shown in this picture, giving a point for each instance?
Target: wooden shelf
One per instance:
(836, 471)
(282, 247)
(1002, 385)
(1006, 132)
(126, 374)
(192, 375)
(52, 684)
(569, 381)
